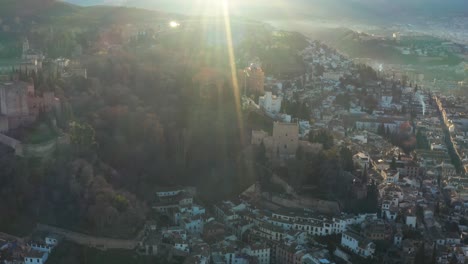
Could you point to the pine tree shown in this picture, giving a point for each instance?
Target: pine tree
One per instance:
(364, 174)
(419, 257)
(437, 209)
(434, 255)
(261, 155)
(300, 153)
(381, 130)
(393, 165)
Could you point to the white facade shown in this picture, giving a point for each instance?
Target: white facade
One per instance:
(362, 159)
(232, 258)
(193, 225)
(51, 240)
(182, 246)
(270, 103)
(262, 254)
(357, 244)
(168, 193)
(373, 126)
(393, 177)
(36, 257)
(397, 239)
(41, 247)
(386, 101)
(411, 221)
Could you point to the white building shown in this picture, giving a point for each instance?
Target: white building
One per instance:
(411, 221)
(386, 101)
(193, 225)
(52, 240)
(397, 239)
(362, 159)
(182, 246)
(270, 103)
(261, 252)
(35, 257)
(392, 176)
(357, 244)
(169, 192)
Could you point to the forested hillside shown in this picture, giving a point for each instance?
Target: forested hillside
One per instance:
(159, 111)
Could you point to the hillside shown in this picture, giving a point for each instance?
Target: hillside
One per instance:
(20, 15)
(359, 45)
(362, 10)
(35, 9)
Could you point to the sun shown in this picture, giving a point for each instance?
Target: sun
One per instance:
(174, 24)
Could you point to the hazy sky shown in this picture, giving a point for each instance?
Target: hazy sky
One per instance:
(291, 8)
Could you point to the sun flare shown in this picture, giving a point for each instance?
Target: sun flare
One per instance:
(174, 24)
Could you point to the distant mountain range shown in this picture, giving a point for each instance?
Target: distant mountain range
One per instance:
(281, 9)
(19, 15)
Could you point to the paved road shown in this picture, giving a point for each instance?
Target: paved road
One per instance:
(90, 241)
(10, 237)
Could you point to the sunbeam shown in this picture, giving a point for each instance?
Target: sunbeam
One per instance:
(232, 65)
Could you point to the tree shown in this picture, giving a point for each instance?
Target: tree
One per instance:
(299, 153)
(370, 103)
(393, 165)
(346, 159)
(82, 136)
(434, 254)
(381, 130)
(437, 209)
(403, 110)
(261, 157)
(453, 259)
(344, 100)
(319, 70)
(364, 174)
(323, 137)
(420, 213)
(419, 258)
(372, 198)
(421, 140)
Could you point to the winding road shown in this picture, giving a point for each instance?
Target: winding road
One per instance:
(102, 243)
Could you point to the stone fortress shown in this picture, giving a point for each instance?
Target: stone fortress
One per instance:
(21, 104)
(20, 107)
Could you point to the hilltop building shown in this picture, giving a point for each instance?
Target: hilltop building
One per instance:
(270, 103)
(282, 144)
(252, 79)
(357, 244)
(30, 61)
(19, 104)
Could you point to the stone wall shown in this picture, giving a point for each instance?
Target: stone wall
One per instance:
(40, 150)
(321, 206)
(11, 142)
(101, 243)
